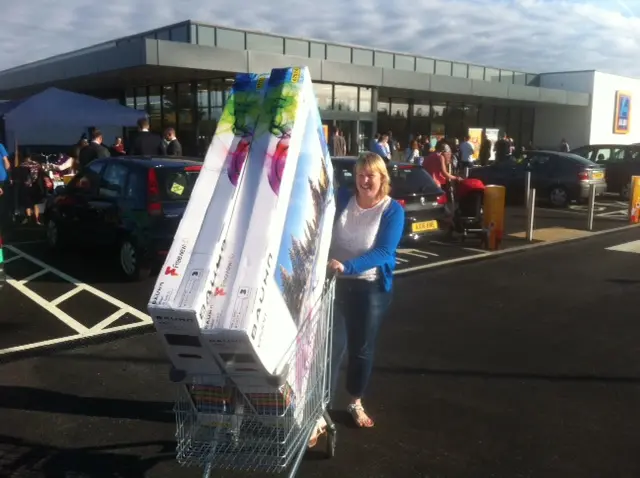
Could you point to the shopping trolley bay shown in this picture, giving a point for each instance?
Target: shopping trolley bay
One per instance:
(525, 365)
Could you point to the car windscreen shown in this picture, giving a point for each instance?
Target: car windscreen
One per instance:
(405, 179)
(411, 179)
(587, 163)
(176, 184)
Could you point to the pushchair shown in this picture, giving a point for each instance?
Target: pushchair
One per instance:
(468, 197)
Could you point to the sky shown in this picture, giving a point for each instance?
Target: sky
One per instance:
(526, 35)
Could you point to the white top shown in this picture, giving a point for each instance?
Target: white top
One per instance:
(355, 232)
(466, 152)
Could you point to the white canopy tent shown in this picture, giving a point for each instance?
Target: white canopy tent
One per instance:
(54, 107)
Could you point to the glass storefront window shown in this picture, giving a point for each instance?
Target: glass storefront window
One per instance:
(514, 126)
(168, 106)
(324, 94)
(399, 120)
(502, 118)
(130, 99)
(454, 123)
(366, 100)
(486, 116)
(470, 119)
(365, 135)
(438, 117)
(421, 118)
(216, 93)
(141, 98)
(202, 96)
(155, 108)
(384, 119)
(526, 133)
(345, 98)
(184, 103)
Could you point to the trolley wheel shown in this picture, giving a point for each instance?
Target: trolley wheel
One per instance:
(331, 442)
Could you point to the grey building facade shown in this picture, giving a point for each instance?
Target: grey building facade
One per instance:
(180, 75)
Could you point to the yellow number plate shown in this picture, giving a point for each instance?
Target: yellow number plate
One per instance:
(598, 175)
(424, 226)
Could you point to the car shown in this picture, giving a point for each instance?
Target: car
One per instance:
(416, 191)
(559, 178)
(621, 161)
(129, 205)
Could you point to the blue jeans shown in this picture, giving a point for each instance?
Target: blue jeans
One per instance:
(359, 309)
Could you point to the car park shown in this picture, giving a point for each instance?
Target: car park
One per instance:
(129, 205)
(621, 161)
(415, 190)
(558, 178)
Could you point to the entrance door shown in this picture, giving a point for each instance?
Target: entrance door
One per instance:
(349, 129)
(365, 135)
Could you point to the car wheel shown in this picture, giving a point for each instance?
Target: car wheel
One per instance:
(624, 192)
(54, 235)
(129, 261)
(558, 196)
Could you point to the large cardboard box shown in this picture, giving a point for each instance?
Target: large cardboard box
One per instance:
(276, 268)
(181, 291)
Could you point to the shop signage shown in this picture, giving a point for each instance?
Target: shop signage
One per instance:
(622, 117)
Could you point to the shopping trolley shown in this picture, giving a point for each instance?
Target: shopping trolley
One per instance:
(258, 424)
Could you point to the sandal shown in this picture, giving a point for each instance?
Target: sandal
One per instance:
(320, 429)
(359, 416)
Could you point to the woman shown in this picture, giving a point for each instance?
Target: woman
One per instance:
(413, 152)
(30, 182)
(366, 234)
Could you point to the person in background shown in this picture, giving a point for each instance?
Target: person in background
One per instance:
(367, 230)
(94, 150)
(564, 146)
(412, 153)
(467, 151)
(5, 179)
(502, 148)
(173, 146)
(29, 181)
(339, 144)
(484, 155)
(374, 142)
(118, 146)
(146, 142)
(382, 148)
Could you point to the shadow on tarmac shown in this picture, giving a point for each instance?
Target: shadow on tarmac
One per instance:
(34, 399)
(21, 459)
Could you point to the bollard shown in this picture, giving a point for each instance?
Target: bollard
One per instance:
(592, 206)
(493, 215)
(527, 188)
(531, 206)
(634, 200)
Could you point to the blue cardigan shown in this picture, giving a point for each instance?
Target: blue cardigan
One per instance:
(383, 253)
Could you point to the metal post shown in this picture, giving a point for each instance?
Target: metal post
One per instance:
(592, 206)
(531, 206)
(527, 188)
(466, 172)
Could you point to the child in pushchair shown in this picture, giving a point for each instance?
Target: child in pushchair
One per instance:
(468, 198)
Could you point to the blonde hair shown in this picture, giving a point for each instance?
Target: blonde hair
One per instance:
(376, 164)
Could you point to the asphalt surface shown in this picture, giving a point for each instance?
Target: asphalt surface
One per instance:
(523, 365)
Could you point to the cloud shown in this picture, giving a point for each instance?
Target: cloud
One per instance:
(524, 35)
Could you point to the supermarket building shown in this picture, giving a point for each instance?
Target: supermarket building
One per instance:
(180, 75)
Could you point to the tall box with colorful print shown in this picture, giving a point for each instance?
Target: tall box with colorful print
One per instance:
(282, 244)
(179, 299)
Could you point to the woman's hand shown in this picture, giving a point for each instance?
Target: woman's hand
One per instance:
(336, 266)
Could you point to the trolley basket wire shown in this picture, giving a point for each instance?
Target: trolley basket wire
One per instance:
(260, 423)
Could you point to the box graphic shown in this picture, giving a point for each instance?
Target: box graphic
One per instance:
(223, 164)
(255, 314)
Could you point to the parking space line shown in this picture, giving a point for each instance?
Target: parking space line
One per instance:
(400, 260)
(59, 314)
(67, 295)
(35, 275)
(68, 339)
(11, 259)
(417, 253)
(86, 287)
(109, 320)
